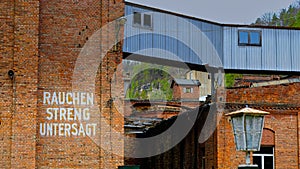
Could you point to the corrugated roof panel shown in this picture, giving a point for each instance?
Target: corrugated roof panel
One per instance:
(283, 44)
(227, 41)
(187, 82)
(196, 41)
(170, 34)
(159, 41)
(269, 54)
(173, 36)
(254, 57)
(183, 35)
(295, 49)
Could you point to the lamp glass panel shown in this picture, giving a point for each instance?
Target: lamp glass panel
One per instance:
(254, 126)
(238, 131)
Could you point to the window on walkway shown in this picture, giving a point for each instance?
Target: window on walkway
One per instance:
(142, 20)
(249, 38)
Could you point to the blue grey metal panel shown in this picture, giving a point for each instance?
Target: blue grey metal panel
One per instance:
(283, 50)
(183, 33)
(227, 54)
(269, 53)
(206, 46)
(276, 53)
(159, 41)
(240, 57)
(132, 43)
(172, 37)
(254, 58)
(218, 42)
(195, 40)
(171, 31)
(295, 49)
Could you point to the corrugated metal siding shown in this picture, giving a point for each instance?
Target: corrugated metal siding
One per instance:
(279, 50)
(169, 34)
(159, 41)
(269, 53)
(283, 50)
(198, 42)
(295, 49)
(174, 38)
(228, 61)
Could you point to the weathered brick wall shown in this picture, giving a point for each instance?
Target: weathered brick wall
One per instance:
(285, 125)
(282, 102)
(268, 138)
(6, 85)
(282, 94)
(178, 93)
(18, 52)
(65, 27)
(41, 41)
(227, 156)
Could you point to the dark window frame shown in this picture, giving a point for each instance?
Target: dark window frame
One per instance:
(142, 22)
(150, 20)
(249, 38)
(263, 154)
(188, 89)
(134, 18)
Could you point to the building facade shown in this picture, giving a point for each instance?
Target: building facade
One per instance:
(185, 89)
(41, 42)
(48, 120)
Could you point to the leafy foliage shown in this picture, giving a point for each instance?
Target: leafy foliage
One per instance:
(285, 17)
(151, 84)
(230, 79)
(151, 81)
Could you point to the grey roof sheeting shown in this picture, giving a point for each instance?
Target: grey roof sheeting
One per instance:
(187, 82)
(276, 82)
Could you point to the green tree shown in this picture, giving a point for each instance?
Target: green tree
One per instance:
(230, 79)
(285, 17)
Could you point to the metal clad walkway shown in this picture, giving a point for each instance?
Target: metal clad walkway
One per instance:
(161, 35)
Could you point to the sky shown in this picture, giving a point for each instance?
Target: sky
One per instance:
(222, 11)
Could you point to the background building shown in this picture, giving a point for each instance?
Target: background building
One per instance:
(186, 89)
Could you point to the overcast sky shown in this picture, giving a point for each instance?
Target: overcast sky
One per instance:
(222, 11)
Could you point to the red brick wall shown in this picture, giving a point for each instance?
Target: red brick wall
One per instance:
(65, 27)
(18, 52)
(282, 102)
(6, 85)
(287, 94)
(178, 92)
(40, 41)
(268, 138)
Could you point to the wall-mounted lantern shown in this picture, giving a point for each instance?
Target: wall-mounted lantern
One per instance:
(247, 125)
(118, 24)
